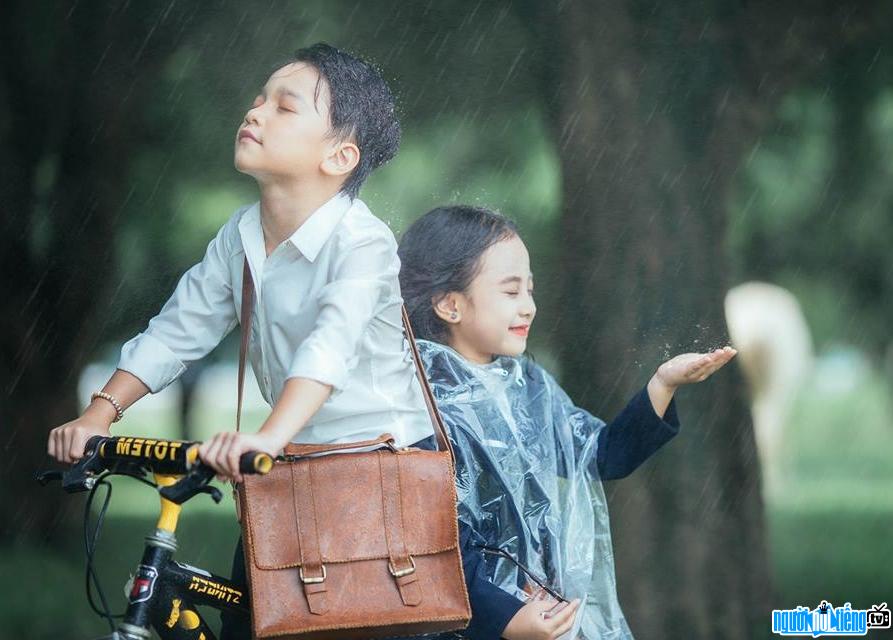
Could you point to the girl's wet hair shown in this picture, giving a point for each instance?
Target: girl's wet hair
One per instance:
(439, 254)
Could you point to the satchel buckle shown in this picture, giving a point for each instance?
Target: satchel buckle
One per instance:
(402, 572)
(314, 580)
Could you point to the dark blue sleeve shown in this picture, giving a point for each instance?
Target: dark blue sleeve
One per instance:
(491, 607)
(633, 436)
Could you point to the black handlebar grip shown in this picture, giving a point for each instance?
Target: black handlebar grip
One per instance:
(255, 462)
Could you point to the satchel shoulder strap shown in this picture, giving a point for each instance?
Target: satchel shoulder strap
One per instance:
(245, 320)
(443, 442)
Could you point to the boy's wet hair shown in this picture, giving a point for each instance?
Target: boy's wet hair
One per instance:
(441, 253)
(361, 107)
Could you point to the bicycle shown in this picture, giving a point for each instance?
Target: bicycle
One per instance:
(164, 593)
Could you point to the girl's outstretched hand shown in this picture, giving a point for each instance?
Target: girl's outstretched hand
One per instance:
(684, 369)
(693, 367)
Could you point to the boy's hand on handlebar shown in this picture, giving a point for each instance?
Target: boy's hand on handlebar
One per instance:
(222, 452)
(66, 442)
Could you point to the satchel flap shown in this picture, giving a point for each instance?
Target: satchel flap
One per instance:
(347, 495)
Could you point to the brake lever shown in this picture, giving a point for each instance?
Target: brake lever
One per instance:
(192, 484)
(214, 492)
(80, 477)
(47, 476)
(75, 480)
(197, 479)
(84, 474)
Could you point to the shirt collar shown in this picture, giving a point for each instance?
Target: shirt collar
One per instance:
(309, 237)
(316, 230)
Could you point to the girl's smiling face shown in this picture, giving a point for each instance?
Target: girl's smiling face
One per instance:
(492, 317)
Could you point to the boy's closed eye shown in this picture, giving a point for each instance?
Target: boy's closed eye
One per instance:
(288, 101)
(290, 104)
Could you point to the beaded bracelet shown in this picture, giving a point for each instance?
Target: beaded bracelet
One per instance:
(107, 396)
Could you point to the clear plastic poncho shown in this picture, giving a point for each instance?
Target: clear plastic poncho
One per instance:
(527, 480)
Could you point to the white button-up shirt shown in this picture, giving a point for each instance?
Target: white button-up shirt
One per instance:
(327, 307)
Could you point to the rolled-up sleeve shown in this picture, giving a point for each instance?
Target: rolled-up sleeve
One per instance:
(361, 281)
(193, 321)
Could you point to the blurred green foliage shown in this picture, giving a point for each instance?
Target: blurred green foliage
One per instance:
(790, 225)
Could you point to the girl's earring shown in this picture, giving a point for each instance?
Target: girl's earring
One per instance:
(454, 316)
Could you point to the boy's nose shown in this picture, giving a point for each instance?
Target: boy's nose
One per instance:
(252, 117)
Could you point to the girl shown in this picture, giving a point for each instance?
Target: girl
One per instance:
(528, 461)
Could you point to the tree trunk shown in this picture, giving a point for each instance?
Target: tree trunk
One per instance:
(645, 172)
(653, 110)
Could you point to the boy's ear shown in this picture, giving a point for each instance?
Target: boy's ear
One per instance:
(342, 159)
(448, 307)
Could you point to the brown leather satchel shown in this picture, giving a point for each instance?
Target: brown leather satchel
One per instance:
(353, 545)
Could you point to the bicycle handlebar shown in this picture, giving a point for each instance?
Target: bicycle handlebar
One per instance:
(134, 456)
(167, 456)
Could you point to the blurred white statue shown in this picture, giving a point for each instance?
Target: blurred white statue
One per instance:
(767, 326)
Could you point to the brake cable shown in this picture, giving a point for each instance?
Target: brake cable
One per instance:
(91, 537)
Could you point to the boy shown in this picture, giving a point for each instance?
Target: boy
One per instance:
(327, 344)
